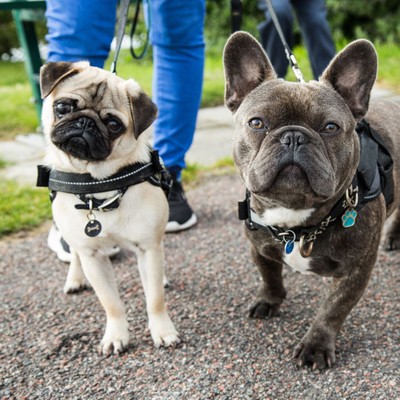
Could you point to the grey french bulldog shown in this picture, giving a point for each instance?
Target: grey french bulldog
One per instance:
(319, 185)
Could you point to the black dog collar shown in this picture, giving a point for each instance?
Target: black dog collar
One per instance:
(346, 208)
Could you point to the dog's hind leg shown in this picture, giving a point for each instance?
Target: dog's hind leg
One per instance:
(151, 268)
(76, 280)
(99, 272)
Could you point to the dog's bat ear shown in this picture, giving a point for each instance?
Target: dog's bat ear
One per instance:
(246, 66)
(52, 73)
(143, 110)
(352, 74)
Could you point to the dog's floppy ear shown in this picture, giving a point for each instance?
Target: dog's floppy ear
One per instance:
(52, 73)
(352, 74)
(143, 110)
(246, 66)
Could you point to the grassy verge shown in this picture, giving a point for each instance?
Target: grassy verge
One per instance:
(195, 172)
(22, 207)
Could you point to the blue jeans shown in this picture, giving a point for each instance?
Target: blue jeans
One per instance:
(311, 15)
(83, 30)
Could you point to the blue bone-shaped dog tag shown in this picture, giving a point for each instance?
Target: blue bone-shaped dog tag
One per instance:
(349, 218)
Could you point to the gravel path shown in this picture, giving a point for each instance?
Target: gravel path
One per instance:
(48, 340)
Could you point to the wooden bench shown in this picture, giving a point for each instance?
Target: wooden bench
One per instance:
(25, 14)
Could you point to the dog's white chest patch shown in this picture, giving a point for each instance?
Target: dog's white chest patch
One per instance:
(296, 261)
(285, 216)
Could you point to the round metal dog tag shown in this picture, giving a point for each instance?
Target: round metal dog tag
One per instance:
(93, 228)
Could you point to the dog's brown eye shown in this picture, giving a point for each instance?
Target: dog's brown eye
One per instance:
(113, 125)
(331, 128)
(63, 109)
(256, 123)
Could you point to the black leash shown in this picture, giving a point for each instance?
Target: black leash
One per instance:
(236, 15)
(289, 54)
(133, 30)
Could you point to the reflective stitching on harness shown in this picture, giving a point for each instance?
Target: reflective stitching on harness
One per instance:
(100, 182)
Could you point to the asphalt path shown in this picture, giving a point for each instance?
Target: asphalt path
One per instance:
(48, 339)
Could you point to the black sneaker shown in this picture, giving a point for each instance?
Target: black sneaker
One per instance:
(181, 215)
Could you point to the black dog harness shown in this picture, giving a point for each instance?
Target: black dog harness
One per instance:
(374, 176)
(84, 185)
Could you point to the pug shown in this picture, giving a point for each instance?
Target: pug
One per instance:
(321, 179)
(106, 189)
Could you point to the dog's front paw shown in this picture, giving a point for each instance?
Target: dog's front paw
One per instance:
(116, 338)
(262, 309)
(316, 351)
(163, 331)
(75, 286)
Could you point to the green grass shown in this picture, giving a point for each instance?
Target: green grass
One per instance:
(22, 207)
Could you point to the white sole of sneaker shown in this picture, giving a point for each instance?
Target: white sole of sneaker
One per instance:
(54, 244)
(174, 226)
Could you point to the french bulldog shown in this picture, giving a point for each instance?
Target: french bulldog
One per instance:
(297, 151)
(94, 124)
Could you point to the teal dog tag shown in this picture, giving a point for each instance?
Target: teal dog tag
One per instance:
(349, 218)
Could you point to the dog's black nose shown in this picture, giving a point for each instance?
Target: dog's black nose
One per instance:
(85, 123)
(293, 139)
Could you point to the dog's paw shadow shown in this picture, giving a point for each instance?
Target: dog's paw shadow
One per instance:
(76, 287)
(73, 345)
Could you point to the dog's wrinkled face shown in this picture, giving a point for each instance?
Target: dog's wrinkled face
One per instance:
(87, 109)
(295, 144)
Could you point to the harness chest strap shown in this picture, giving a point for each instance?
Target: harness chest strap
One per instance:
(84, 185)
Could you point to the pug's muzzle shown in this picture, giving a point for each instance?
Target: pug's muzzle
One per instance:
(82, 138)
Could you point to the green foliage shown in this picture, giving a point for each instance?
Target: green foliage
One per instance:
(377, 20)
(218, 22)
(22, 207)
(8, 33)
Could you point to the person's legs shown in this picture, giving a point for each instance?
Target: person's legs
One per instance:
(178, 52)
(80, 30)
(270, 40)
(317, 36)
